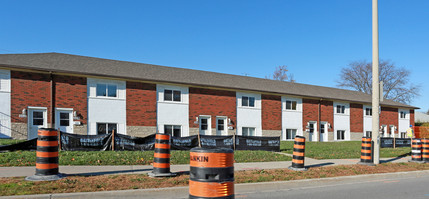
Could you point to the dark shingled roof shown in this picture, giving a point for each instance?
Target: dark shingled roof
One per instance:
(75, 64)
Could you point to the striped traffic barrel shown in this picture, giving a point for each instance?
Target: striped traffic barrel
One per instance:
(416, 150)
(46, 155)
(161, 157)
(425, 149)
(298, 153)
(211, 173)
(365, 152)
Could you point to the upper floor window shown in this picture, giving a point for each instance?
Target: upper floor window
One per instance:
(403, 115)
(172, 95)
(368, 111)
(248, 101)
(107, 90)
(341, 109)
(290, 105)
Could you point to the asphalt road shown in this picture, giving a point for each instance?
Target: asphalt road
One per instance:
(392, 185)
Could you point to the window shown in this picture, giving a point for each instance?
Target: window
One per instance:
(248, 131)
(173, 130)
(220, 124)
(104, 128)
(403, 115)
(403, 134)
(204, 124)
(341, 134)
(290, 134)
(248, 101)
(37, 117)
(64, 119)
(172, 95)
(311, 127)
(367, 134)
(290, 105)
(107, 90)
(341, 109)
(368, 111)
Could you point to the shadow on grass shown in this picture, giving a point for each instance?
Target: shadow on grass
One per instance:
(395, 158)
(131, 171)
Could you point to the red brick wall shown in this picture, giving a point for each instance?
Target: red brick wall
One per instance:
(327, 113)
(310, 109)
(389, 116)
(141, 104)
(356, 117)
(412, 117)
(271, 112)
(211, 102)
(71, 92)
(29, 89)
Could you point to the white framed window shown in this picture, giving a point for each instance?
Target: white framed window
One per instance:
(403, 134)
(172, 95)
(311, 127)
(247, 101)
(291, 105)
(173, 130)
(403, 115)
(341, 135)
(104, 128)
(290, 134)
(248, 131)
(341, 109)
(368, 111)
(106, 90)
(367, 134)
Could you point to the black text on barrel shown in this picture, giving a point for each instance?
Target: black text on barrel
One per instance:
(298, 152)
(211, 173)
(425, 149)
(47, 152)
(416, 150)
(161, 160)
(366, 150)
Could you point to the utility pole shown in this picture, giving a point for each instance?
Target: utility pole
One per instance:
(375, 84)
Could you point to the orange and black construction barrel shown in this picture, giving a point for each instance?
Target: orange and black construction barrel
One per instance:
(425, 150)
(416, 150)
(161, 157)
(366, 152)
(298, 154)
(46, 156)
(211, 173)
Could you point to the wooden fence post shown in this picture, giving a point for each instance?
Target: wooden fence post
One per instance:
(113, 140)
(199, 139)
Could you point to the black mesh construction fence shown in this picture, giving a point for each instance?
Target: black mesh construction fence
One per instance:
(257, 143)
(73, 142)
(130, 143)
(23, 146)
(399, 142)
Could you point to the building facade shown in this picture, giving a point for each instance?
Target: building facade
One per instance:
(85, 95)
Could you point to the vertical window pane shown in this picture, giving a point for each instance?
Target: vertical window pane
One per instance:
(101, 89)
(176, 96)
(203, 124)
(343, 109)
(64, 119)
(220, 125)
(245, 131)
(251, 131)
(251, 102)
(168, 95)
(112, 90)
(245, 101)
(293, 105)
(288, 105)
(177, 131)
(101, 128)
(112, 127)
(37, 114)
(168, 129)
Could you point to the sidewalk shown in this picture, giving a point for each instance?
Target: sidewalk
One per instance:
(141, 169)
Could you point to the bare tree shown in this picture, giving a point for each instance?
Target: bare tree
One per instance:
(427, 112)
(397, 85)
(281, 74)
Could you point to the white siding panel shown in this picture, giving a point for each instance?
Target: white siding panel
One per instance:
(342, 121)
(249, 116)
(5, 119)
(292, 119)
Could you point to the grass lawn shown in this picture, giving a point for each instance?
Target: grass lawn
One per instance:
(340, 150)
(28, 158)
(10, 141)
(18, 186)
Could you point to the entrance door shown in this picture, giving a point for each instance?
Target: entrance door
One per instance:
(37, 118)
(323, 131)
(312, 127)
(221, 126)
(64, 120)
(205, 125)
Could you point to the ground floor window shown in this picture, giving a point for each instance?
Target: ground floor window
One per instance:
(367, 134)
(290, 134)
(104, 128)
(173, 130)
(341, 135)
(403, 134)
(248, 131)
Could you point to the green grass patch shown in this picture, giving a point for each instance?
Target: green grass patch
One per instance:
(10, 141)
(340, 150)
(28, 158)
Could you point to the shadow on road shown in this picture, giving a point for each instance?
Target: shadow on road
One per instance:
(319, 165)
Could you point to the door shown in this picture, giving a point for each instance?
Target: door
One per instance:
(221, 126)
(37, 118)
(323, 131)
(205, 125)
(384, 131)
(64, 120)
(312, 127)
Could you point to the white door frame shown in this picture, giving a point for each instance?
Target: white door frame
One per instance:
(225, 125)
(324, 136)
(68, 129)
(209, 124)
(312, 137)
(30, 120)
(392, 131)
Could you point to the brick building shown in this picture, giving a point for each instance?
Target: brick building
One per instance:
(86, 95)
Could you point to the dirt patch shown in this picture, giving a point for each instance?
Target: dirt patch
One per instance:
(18, 186)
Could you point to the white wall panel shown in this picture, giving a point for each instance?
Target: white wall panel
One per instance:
(249, 116)
(404, 123)
(292, 119)
(342, 121)
(5, 119)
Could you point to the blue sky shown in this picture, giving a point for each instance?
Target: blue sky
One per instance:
(313, 38)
